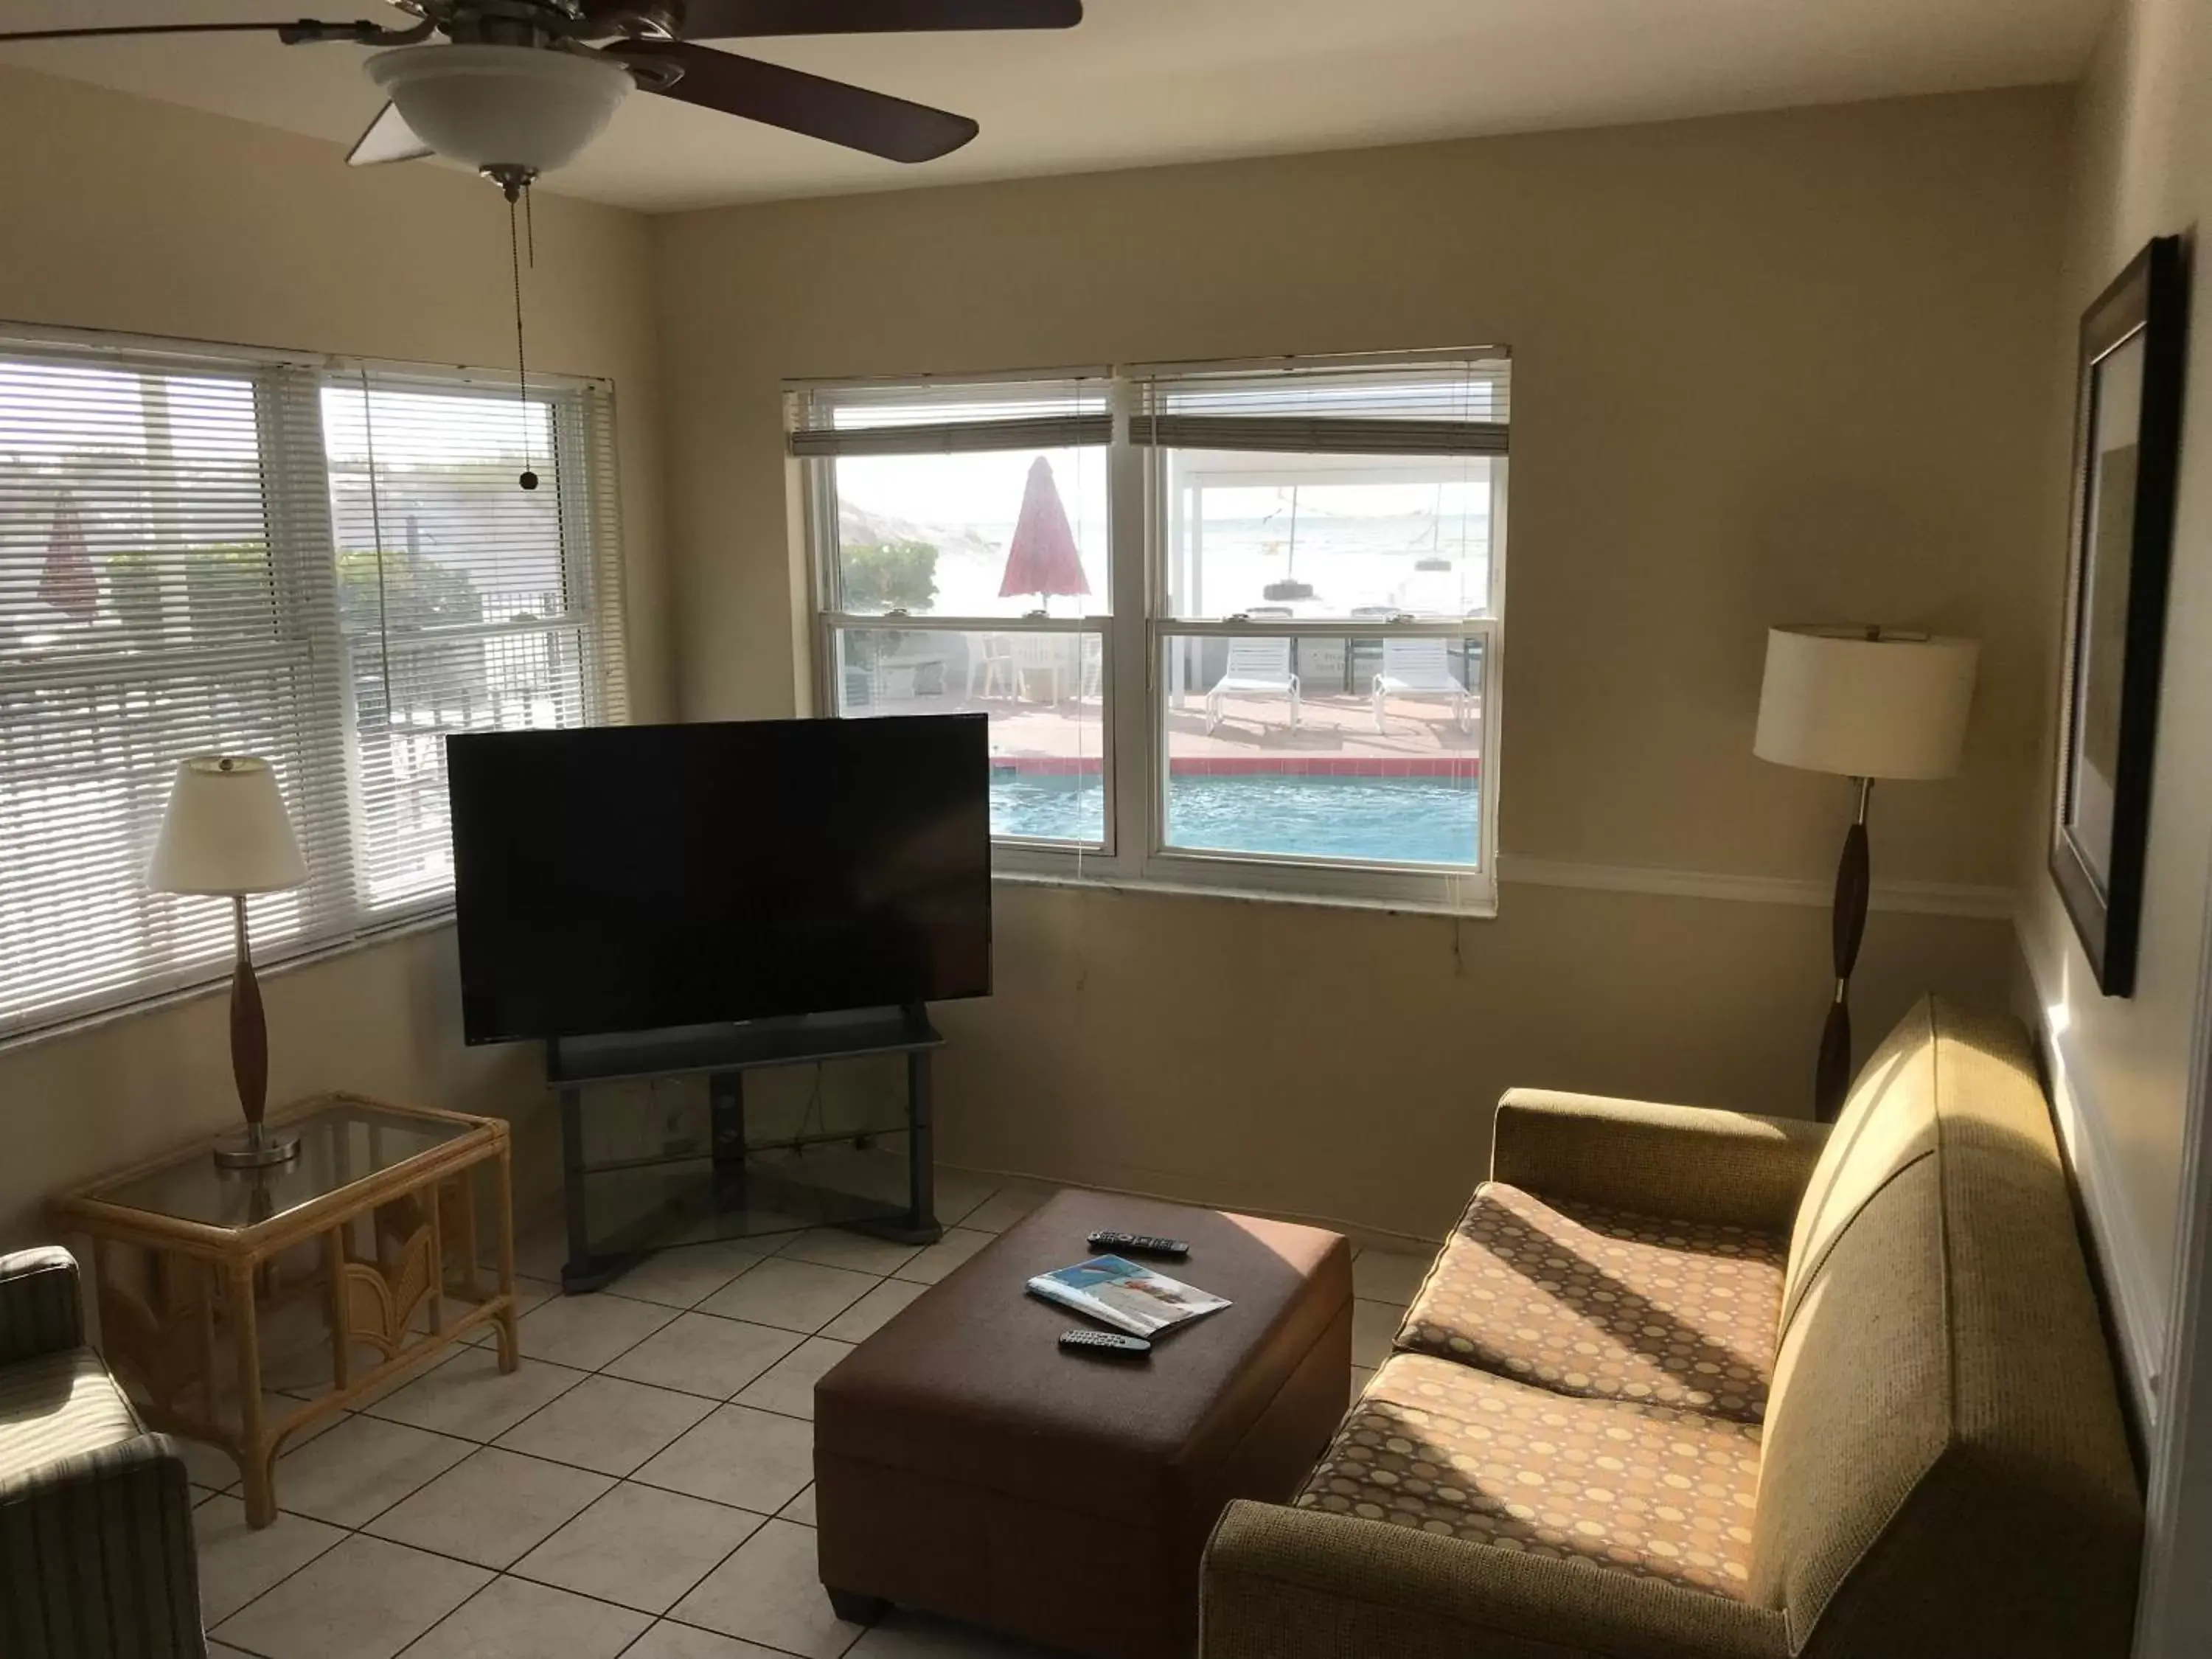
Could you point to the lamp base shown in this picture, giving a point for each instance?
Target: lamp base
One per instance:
(257, 1149)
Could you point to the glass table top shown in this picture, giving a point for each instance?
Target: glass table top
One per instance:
(341, 1142)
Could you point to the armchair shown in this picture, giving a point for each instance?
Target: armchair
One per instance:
(96, 1557)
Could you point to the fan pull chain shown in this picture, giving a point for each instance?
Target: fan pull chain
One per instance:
(528, 478)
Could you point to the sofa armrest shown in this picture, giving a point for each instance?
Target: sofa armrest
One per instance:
(1290, 1583)
(1690, 1162)
(97, 1552)
(40, 1311)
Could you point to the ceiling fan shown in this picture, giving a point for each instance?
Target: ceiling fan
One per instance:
(518, 88)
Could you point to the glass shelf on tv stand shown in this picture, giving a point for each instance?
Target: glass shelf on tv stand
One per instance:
(875, 1178)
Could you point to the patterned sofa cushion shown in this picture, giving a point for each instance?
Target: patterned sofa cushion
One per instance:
(1632, 1488)
(1606, 1304)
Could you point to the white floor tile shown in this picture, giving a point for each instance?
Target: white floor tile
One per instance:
(670, 1640)
(796, 1295)
(873, 1311)
(640, 1547)
(1374, 1326)
(360, 1468)
(237, 1563)
(959, 1193)
(949, 1252)
(513, 1619)
(207, 1466)
(367, 1599)
(1383, 1276)
(788, 1385)
(1361, 1377)
(606, 1424)
(837, 1247)
(701, 1354)
(528, 1293)
(469, 1396)
(907, 1635)
(686, 1276)
(800, 1509)
(585, 1332)
(1007, 1206)
(767, 1592)
(758, 1461)
(217, 1651)
(492, 1509)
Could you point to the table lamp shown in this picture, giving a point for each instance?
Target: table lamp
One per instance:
(226, 833)
(1865, 703)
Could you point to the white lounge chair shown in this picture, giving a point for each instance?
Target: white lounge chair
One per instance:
(1257, 668)
(1421, 668)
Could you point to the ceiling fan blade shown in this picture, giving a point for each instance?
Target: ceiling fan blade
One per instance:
(387, 138)
(852, 115)
(738, 19)
(293, 32)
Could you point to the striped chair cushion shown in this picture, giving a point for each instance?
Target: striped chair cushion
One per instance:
(58, 1405)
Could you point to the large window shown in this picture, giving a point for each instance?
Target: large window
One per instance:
(1233, 626)
(332, 566)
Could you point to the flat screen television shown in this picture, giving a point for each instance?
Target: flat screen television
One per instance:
(627, 879)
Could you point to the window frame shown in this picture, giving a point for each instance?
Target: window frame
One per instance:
(1135, 852)
(309, 643)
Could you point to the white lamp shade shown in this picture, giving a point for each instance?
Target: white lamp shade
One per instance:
(1892, 706)
(226, 831)
(495, 106)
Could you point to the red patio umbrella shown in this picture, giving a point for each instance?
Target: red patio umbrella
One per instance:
(68, 582)
(1042, 559)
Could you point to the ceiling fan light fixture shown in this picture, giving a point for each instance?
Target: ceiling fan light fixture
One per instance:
(527, 109)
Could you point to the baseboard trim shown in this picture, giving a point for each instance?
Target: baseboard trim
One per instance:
(2136, 1309)
(1925, 898)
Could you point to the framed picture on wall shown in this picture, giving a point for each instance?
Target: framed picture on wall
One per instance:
(2127, 439)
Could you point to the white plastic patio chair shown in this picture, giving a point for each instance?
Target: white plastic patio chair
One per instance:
(1257, 668)
(1421, 668)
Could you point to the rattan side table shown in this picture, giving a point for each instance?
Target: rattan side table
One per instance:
(376, 1220)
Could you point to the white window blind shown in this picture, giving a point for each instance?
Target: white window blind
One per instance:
(1313, 407)
(170, 585)
(466, 603)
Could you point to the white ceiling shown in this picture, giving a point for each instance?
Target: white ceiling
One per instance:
(1147, 82)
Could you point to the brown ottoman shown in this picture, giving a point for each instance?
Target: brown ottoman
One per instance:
(964, 1465)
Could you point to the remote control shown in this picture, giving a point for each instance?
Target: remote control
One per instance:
(1105, 1345)
(1140, 1244)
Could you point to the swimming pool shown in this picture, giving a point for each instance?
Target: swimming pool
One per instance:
(1414, 820)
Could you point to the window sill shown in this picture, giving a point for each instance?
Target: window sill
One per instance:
(1481, 909)
(218, 981)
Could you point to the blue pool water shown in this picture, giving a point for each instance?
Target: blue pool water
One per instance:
(1402, 820)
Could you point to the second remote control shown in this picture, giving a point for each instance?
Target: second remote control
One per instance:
(1141, 1244)
(1105, 1345)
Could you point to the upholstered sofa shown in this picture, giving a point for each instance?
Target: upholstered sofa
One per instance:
(1688, 1382)
(96, 1558)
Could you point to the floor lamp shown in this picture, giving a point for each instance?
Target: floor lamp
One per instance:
(226, 833)
(1864, 702)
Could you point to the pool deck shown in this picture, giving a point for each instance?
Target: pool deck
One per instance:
(1336, 736)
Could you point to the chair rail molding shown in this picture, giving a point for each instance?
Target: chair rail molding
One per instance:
(1926, 898)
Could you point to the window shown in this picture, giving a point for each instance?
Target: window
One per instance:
(1263, 650)
(330, 566)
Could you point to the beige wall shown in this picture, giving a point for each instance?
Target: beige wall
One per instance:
(118, 213)
(1768, 367)
(2139, 170)
(2129, 1071)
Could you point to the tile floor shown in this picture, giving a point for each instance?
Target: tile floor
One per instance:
(642, 1486)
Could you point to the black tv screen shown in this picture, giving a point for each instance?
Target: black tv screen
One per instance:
(626, 878)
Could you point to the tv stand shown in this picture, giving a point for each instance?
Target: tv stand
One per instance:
(736, 1182)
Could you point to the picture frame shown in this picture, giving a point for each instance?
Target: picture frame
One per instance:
(2127, 441)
